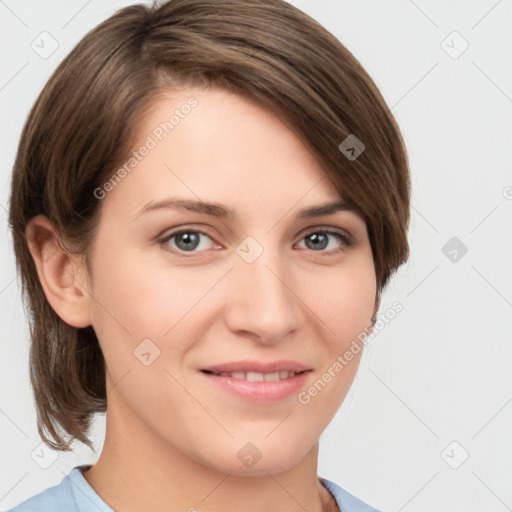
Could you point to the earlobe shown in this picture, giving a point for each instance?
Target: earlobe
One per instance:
(59, 272)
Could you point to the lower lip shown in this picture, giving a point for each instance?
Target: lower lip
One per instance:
(264, 391)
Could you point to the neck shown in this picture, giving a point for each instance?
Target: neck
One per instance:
(153, 475)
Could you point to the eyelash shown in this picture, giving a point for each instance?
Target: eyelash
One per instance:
(346, 240)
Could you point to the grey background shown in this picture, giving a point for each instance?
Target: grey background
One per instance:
(435, 384)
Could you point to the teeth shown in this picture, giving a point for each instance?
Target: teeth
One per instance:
(254, 376)
(258, 376)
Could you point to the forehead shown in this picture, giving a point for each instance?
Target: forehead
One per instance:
(213, 145)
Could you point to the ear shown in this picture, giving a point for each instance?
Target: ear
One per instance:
(61, 274)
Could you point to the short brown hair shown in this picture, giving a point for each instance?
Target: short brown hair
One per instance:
(82, 125)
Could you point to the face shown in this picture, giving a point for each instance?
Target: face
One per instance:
(203, 313)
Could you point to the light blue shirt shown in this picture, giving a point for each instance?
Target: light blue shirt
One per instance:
(74, 494)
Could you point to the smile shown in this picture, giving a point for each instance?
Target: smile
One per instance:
(263, 384)
(256, 376)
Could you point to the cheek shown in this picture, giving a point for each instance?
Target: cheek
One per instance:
(137, 297)
(346, 308)
(346, 301)
(135, 301)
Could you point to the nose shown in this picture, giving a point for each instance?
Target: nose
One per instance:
(261, 302)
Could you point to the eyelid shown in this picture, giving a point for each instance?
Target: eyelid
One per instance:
(346, 237)
(184, 229)
(345, 234)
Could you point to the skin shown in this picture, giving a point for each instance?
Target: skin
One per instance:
(171, 438)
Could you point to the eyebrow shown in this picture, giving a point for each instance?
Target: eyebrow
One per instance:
(223, 212)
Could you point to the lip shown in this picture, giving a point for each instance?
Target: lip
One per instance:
(260, 392)
(259, 366)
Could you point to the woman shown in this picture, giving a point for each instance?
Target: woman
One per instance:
(207, 201)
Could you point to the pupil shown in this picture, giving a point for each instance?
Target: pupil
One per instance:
(190, 240)
(319, 240)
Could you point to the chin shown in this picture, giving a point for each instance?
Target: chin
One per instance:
(260, 458)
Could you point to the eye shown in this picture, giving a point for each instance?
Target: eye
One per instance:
(320, 239)
(186, 240)
(193, 241)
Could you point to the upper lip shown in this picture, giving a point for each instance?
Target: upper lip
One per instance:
(259, 366)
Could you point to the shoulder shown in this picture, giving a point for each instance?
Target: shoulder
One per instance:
(57, 498)
(347, 502)
(73, 494)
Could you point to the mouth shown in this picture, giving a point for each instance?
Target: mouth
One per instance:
(257, 376)
(258, 382)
